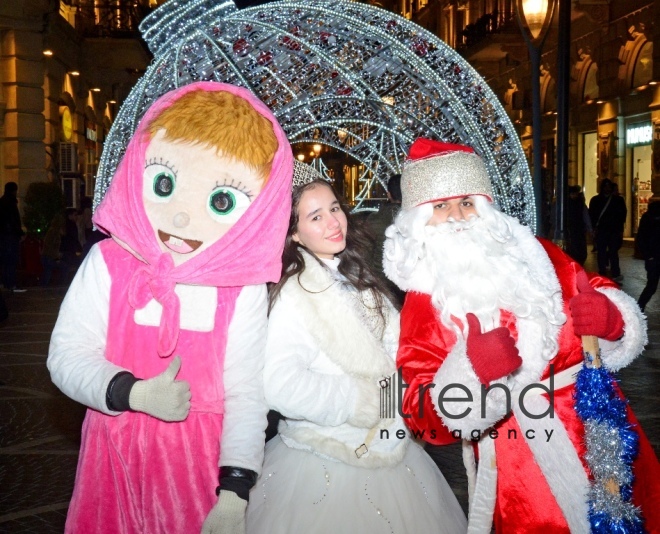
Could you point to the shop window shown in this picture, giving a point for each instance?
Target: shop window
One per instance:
(91, 156)
(642, 192)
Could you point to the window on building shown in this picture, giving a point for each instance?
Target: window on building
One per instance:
(590, 164)
(591, 89)
(643, 72)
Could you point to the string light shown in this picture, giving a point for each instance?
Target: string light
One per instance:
(343, 74)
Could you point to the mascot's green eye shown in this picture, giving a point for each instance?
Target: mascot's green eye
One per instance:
(226, 204)
(222, 202)
(163, 184)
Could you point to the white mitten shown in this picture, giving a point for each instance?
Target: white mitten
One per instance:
(162, 396)
(366, 412)
(227, 516)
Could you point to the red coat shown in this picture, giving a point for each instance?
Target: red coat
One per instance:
(524, 501)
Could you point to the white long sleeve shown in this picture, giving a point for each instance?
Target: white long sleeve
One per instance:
(76, 356)
(245, 421)
(298, 381)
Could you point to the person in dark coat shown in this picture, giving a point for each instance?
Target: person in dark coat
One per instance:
(608, 215)
(648, 243)
(11, 233)
(70, 246)
(579, 224)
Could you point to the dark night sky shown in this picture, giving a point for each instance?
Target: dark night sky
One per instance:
(242, 4)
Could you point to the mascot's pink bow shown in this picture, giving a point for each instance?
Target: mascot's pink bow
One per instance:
(158, 284)
(249, 253)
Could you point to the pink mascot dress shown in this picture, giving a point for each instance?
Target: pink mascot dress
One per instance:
(137, 473)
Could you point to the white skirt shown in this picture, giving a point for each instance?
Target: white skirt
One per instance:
(301, 493)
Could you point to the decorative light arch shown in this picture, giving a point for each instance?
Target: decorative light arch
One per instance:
(324, 68)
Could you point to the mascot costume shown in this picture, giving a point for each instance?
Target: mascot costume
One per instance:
(162, 332)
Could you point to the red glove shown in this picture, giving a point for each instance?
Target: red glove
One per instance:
(593, 313)
(493, 354)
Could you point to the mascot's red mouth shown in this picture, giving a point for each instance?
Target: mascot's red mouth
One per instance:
(178, 244)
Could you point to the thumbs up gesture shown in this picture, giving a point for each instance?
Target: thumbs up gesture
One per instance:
(162, 396)
(492, 354)
(593, 313)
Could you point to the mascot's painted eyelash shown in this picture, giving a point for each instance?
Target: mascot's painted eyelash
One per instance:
(238, 186)
(159, 161)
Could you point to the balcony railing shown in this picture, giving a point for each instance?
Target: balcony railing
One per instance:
(484, 26)
(105, 18)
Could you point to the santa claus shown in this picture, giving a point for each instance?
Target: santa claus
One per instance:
(490, 345)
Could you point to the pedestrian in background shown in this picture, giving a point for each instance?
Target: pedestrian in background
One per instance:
(608, 214)
(579, 224)
(71, 247)
(50, 252)
(648, 243)
(11, 234)
(92, 235)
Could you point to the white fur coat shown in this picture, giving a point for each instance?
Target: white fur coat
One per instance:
(318, 349)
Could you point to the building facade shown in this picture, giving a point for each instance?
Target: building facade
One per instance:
(614, 85)
(66, 65)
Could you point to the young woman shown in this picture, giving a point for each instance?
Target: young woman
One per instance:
(343, 461)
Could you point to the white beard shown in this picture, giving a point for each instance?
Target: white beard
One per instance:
(476, 266)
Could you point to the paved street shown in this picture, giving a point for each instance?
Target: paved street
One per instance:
(39, 427)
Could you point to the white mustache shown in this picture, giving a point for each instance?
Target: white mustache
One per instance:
(452, 226)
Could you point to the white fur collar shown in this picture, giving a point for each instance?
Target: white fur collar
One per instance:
(530, 344)
(332, 320)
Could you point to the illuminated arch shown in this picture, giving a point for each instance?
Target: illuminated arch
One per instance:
(323, 67)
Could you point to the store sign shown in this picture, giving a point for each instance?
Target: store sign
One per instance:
(67, 124)
(639, 135)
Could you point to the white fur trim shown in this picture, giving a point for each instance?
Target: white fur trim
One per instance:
(470, 463)
(482, 504)
(528, 249)
(530, 348)
(457, 369)
(558, 461)
(333, 322)
(308, 439)
(618, 354)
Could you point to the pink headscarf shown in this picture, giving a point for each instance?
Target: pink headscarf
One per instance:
(249, 253)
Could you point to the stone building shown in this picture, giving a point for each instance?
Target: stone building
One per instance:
(614, 84)
(65, 66)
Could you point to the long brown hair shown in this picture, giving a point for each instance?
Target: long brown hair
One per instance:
(353, 263)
